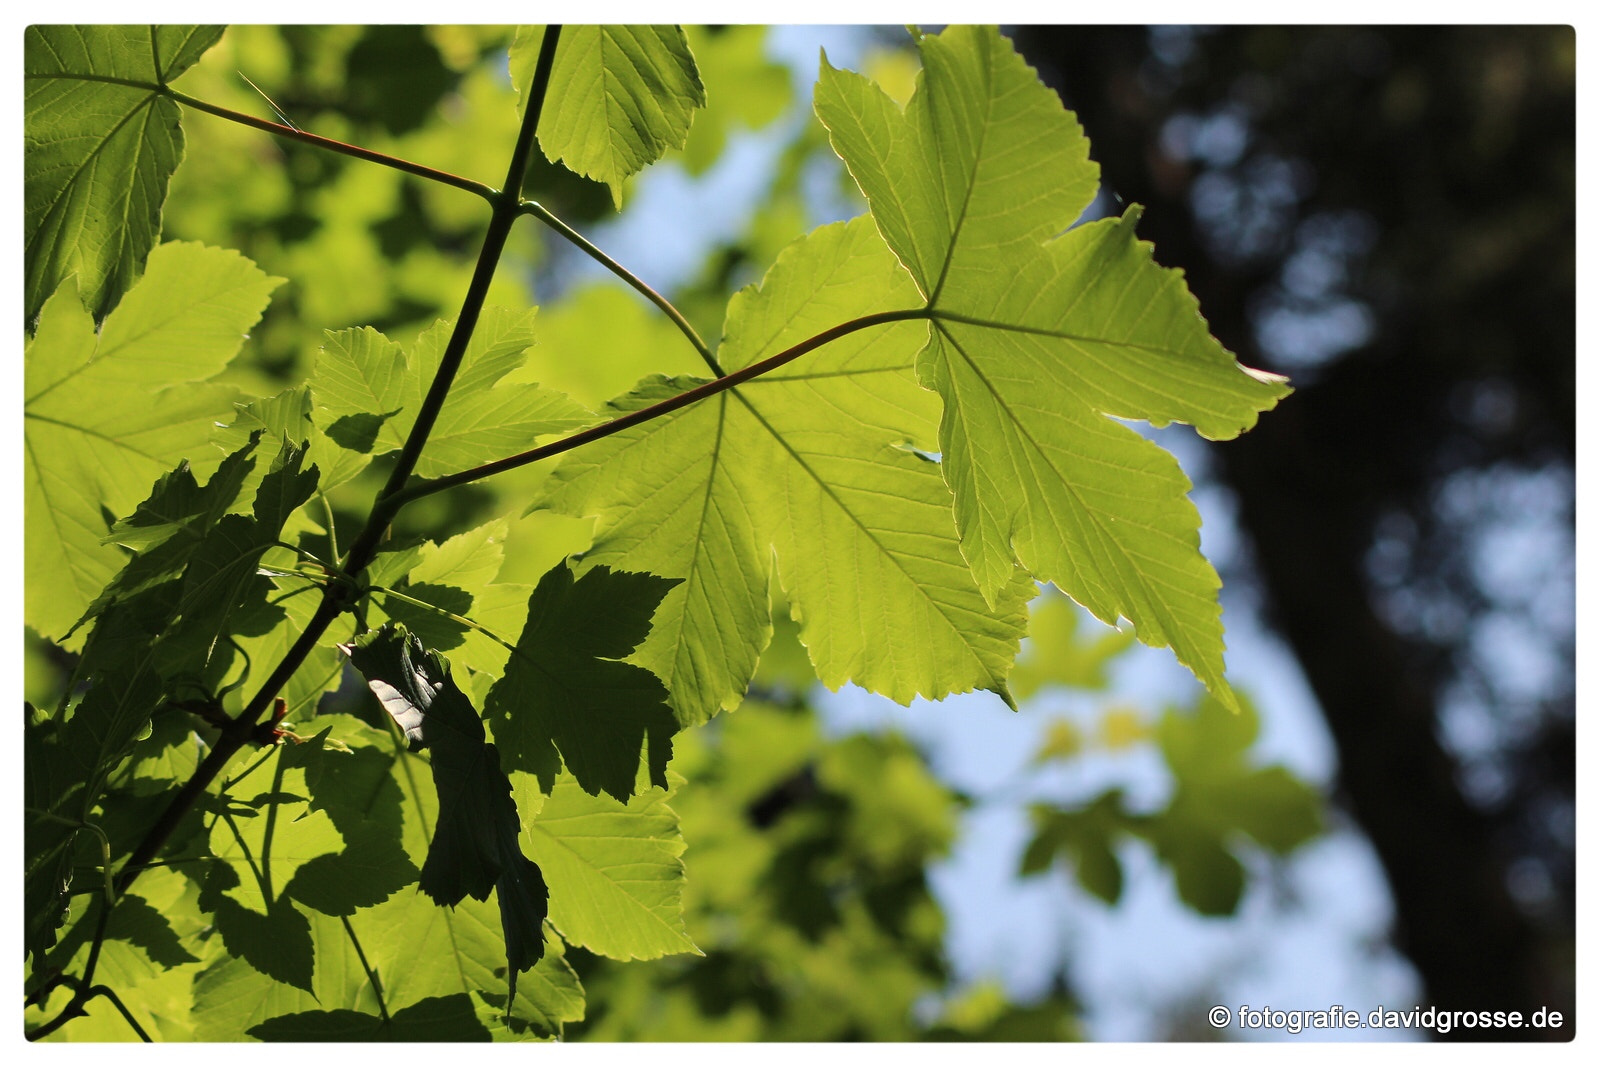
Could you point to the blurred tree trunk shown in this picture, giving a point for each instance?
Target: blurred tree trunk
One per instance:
(1458, 145)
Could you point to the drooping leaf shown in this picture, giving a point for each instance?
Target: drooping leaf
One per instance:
(474, 848)
(107, 415)
(423, 950)
(371, 391)
(819, 462)
(1040, 342)
(619, 97)
(565, 691)
(615, 872)
(97, 152)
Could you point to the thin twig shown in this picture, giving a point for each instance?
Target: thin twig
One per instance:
(544, 215)
(355, 151)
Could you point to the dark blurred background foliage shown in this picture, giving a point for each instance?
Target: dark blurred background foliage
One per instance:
(1388, 215)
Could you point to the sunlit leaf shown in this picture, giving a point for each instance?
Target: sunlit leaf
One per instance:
(619, 97)
(100, 143)
(817, 462)
(370, 391)
(614, 871)
(1040, 343)
(108, 414)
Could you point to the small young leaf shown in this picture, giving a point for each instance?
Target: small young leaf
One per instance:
(361, 374)
(619, 97)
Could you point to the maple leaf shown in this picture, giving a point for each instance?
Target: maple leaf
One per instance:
(1039, 343)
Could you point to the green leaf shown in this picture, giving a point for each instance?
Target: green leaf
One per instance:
(423, 951)
(266, 840)
(820, 461)
(177, 504)
(619, 97)
(1040, 342)
(416, 949)
(288, 417)
(451, 1018)
(98, 153)
(170, 525)
(222, 585)
(615, 871)
(232, 995)
(278, 943)
(474, 849)
(1219, 793)
(1087, 838)
(351, 779)
(107, 415)
(372, 390)
(1057, 653)
(564, 691)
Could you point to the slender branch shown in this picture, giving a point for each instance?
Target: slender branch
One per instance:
(336, 596)
(233, 737)
(294, 134)
(116, 1001)
(655, 411)
(506, 211)
(544, 215)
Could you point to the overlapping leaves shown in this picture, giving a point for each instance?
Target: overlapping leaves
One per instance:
(107, 414)
(474, 849)
(370, 391)
(817, 463)
(834, 476)
(1040, 342)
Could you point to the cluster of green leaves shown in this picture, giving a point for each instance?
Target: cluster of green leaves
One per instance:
(910, 421)
(1222, 807)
